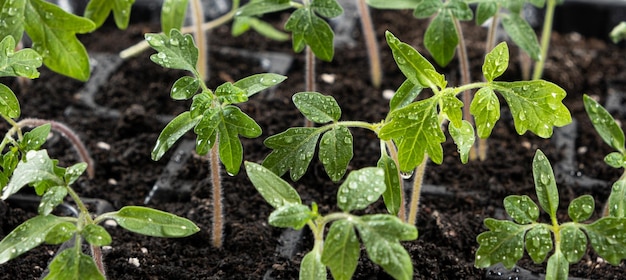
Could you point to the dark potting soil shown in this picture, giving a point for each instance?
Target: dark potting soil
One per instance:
(456, 200)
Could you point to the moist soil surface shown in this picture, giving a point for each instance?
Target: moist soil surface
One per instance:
(457, 198)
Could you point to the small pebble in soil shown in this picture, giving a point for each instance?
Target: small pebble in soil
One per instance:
(388, 94)
(134, 261)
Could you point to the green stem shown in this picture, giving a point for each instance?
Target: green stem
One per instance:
(417, 188)
(216, 182)
(545, 39)
(376, 71)
(201, 39)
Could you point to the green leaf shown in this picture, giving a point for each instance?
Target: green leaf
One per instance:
(522, 34)
(605, 124)
(261, 7)
(521, 208)
(441, 38)
(291, 215)
(463, 137)
(293, 150)
(311, 267)
(9, 105)
(389, 226)
(35, 138)
(38, 167)
(615, 160)
(233, 124)
(485, 107)
(317, 107)
(412, 64)
(73, 265)
(545, 184)
(309, 29)
(336, 152)
(22, 63)
(341, 250)
(152, 222)
(201, 103)
(184, 88)
(228, 94)
(558, 267)
(26, 236)
(53, 32)
(459, 9)
(51, 199)
(242, 24)
(393, 191)
(608, 238)
(206, 129)
(175, 129)
(538, 243)
(416, 130)
(536, 105)
(573, 243)
(617, 200)
(96, 235)
(484, 11)
(12, 15)
(385, 251)
(393, 4)
(274, 190)
(450, 106)
(327, 8)
(618, 32)
(426, 8)
(405, 94)
(177, 51)
(581, 208)
(256, 83)
(98, 11)
(503, 243)
(496, 62)
(60, 233)
(361, 188)
(173, 14)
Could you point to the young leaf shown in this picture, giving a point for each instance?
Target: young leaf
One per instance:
(327, 8)
(412, 64)
(441, 38)
(341, 250)
(573, 243)
(207, 128)
(241, 24)
(291, 215)
(309, 29)
(427, 8)
(605, 124)
(393, 191)
(72, 264)
(545, 184)
(229, 94)
(96, 235)
(463, 137)
(35, 138)
(459, 9)
(558, 267)
(522, 34)
(293, 150)
(152, 222)
(177, 51)
(391, 227)
(261, 7)
(361, 188)
(484, 11)
(617, 200)
(538, 243)
(336, 152)
(536, 105)
(615, 160)
(173, 14)
(9, 105)
(311, 267)
(581, 208)
(53, 32)
(51, 199)
(405, 94)
(450, 107)
(608, 238)
(503, 243)
(38, 167)
(385, 250)
(22, 63)
(98, 11)
(393, 4)
(496, 62)
(175, 129)
(234, 123)
(256, 83)
(316, 107)
(521, 208)
(417, 132)
(485, 107)
(274, 190)
(184, 88)
(26, 236)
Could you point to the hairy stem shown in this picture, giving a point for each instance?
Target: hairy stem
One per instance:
(545, 39)
(417, 188)
(96, 254)
(376, 71)
(489, 45)
(216, 182)
(465, 79)
(309, 76)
